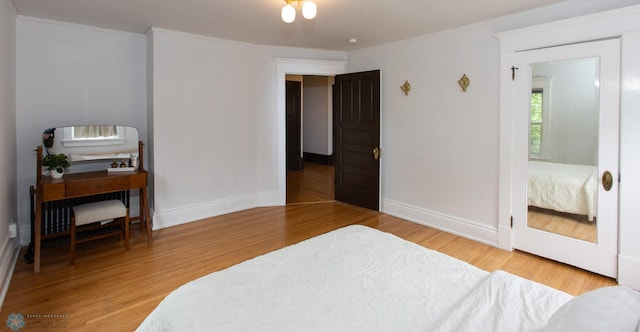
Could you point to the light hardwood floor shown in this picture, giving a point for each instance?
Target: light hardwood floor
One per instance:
(314, 183)
(112, 290)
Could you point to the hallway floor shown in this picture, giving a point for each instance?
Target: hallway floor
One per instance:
(314, 183)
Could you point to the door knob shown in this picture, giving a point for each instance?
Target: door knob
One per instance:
(376, 153)
(607, 180)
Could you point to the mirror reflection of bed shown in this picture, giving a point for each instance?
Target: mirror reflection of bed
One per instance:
(562, 199)
(563, 148)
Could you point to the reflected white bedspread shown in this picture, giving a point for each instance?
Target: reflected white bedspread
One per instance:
(563, 187)
(352, 279)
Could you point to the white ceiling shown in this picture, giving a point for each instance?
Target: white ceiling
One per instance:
(372, 22)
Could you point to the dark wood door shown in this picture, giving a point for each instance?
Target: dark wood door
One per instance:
(356, 117)
(294, 124)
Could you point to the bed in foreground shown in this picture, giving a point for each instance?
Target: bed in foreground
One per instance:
(359, 279)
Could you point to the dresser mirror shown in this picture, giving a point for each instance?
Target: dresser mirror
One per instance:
(91, 144)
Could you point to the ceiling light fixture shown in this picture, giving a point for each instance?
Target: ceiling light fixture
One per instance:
(288, 13)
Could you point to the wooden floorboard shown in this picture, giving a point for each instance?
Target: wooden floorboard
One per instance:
(109, 289)
(313, 183)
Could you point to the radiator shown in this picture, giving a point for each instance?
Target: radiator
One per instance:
(56, 215)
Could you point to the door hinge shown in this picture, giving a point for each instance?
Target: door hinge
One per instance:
(511, 221)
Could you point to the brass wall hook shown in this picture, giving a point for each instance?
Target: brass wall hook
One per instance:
(464, 82)
(406, 87)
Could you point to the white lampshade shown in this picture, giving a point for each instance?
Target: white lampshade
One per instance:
(309, 9)
(288, 13)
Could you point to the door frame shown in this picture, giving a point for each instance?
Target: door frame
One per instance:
(292, 66)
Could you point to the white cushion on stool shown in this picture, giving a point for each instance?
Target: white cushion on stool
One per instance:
(99, 211)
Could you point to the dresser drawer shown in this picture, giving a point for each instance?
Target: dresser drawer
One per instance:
(98, 186)
(53, 191)
(138, 180)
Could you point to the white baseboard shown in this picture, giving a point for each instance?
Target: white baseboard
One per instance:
(629, 271)
(188, 214)
(461, 227)
(8, 259)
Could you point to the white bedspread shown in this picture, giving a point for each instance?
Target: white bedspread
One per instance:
(352, 279)
(504, 302)
(563, 187)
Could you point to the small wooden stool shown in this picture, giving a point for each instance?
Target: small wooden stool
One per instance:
(91, 217)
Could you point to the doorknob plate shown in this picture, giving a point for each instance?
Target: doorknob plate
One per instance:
(607, 180)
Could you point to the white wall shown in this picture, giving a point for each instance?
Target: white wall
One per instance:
(71, 74)
(8, 250)
(215, 125)
(440, 146)
(318, 117)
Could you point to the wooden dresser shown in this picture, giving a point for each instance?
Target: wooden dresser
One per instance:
(75, 185)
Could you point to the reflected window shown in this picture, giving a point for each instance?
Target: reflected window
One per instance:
(94, 132)
(535, 124)
(540, 118)
(93, 136)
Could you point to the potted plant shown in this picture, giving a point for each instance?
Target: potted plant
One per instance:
(57, 164)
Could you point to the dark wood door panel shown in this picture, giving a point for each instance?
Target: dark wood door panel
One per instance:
(345, 109)
(368, 112)
(294, 125)
(362, 160)
(358, 182)
(356, 135)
